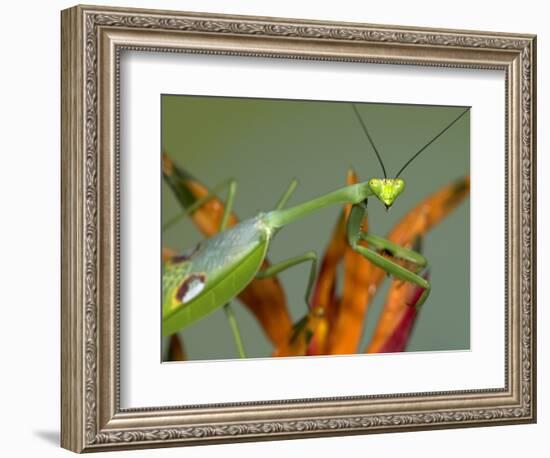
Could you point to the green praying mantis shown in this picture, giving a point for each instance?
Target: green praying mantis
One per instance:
(201, 280)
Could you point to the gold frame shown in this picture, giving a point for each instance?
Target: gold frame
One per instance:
(92, 39)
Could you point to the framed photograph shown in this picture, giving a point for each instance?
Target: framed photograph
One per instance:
(278, 228)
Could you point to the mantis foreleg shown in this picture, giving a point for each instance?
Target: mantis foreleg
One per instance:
(274, 269)
(355, 234)
(396, 251)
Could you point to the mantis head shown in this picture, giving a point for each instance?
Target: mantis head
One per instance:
(387, 189)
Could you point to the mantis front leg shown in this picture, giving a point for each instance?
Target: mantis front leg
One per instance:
(355, 234)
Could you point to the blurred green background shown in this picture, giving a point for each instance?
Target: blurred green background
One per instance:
(265, 143)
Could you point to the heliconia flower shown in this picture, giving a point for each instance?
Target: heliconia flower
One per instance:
(333, 324)
(415, 224)
(362, 278)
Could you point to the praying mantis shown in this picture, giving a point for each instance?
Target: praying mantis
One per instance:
(199, 281)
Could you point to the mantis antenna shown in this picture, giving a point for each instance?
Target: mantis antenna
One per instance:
(370, 139)
(415, 155)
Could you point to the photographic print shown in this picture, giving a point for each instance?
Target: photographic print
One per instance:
(277, 228)
(309, 228)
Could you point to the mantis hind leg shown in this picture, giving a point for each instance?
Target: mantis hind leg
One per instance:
(228, 208)
(309, 256)
(287, 194)
(355, 234)
(231, 186)
(234, 330)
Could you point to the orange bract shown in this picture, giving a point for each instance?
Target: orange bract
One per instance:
(429, 212)
(176, 351)
(323, 299)
(298, 342)
(394, 308)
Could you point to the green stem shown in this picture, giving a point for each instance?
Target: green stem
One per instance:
(235, 330)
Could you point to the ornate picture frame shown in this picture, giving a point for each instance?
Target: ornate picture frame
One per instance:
(93, 39)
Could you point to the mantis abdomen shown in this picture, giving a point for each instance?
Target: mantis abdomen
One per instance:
(196, 282)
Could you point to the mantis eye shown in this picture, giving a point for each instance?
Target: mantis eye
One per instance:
(399, 185)
(375, 184)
